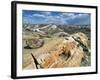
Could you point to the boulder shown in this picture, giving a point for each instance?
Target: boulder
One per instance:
(34, 43)
(62, 34)
(82, 38)
(83, 41)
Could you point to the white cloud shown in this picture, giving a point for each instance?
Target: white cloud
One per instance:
(68, 14)
(71, 16)
(39, 15)
(82, 15)
(47, 13)
(55, 19)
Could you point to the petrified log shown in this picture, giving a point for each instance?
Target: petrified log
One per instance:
(68, 53)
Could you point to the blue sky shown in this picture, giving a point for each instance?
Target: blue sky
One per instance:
(47, 17)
